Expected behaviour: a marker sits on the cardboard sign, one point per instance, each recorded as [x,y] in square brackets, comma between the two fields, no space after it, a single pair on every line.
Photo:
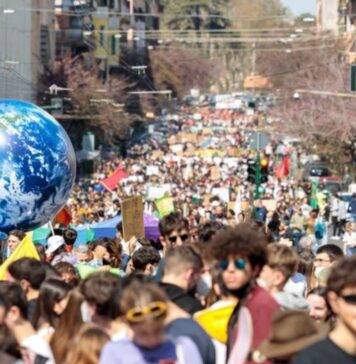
[132,217]
[270,205]
[157,154]
[207,199]
[215,173]
[245,205]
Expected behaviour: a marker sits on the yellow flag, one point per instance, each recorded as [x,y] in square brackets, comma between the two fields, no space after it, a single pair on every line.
[165,205]
[26,249]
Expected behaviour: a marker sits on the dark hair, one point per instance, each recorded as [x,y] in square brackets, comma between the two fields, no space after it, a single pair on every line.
[208,230]
[240,240]
[342,275]
[119,227]
[70,236]
[50,270]
[67,268]
[28,269]
[171,222]
[144,256]
[57,232]
[69,323]
[102,289]
[20,234]
[13,295]
[8,343]
[52,291]
[333,251]
[182,258]
[113,249]
[41,250]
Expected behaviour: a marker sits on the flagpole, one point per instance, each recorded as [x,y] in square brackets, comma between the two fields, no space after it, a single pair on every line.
[51,227]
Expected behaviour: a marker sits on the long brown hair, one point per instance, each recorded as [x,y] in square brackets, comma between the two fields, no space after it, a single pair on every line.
[52,291]
[87,345]
[69,323]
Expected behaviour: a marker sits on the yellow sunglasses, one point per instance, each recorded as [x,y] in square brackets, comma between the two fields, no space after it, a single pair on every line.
[154,309]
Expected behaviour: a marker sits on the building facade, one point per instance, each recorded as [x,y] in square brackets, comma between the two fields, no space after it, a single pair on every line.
[337,16]
[27,46]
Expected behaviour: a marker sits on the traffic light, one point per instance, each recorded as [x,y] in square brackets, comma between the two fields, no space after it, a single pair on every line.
[264,170]
[251,170]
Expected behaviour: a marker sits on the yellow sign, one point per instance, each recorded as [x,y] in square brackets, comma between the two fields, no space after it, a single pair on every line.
[165,205]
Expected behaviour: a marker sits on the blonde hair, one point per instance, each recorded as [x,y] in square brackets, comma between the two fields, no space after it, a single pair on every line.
[87,345]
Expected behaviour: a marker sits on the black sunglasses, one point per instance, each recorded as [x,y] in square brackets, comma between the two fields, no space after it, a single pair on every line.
[173,239]
[350,299]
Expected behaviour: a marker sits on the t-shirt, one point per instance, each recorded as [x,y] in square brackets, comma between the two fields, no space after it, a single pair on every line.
[127,352]
[186,327]
[324,352]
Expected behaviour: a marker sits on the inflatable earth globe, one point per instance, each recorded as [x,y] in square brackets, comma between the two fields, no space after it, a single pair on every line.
[37,166]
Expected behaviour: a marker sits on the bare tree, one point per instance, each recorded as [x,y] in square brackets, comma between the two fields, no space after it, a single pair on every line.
[180,70]
[326,124]
[103,102]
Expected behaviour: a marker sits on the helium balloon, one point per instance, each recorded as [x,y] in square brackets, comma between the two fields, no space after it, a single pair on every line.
[37,166]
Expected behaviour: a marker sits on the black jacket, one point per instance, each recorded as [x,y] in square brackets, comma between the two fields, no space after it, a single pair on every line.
[181,298]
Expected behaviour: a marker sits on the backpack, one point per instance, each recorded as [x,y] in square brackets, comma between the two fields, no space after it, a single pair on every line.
[319,230]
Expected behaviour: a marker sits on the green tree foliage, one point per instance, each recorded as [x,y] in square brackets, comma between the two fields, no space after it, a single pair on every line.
[195,14]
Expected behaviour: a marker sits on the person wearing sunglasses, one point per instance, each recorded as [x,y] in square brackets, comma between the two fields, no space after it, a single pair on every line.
[340,345]
[144,308]
[174,230]
[241,253]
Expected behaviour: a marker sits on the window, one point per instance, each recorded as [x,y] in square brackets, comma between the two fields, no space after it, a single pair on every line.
[102,36]
[113,45]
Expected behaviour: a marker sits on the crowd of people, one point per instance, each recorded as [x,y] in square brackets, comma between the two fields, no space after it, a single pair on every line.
[232,279]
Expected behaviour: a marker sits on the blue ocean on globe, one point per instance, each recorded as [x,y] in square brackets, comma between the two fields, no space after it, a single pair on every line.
[37,166]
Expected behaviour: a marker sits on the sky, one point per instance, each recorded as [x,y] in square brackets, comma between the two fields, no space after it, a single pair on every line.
[301,6]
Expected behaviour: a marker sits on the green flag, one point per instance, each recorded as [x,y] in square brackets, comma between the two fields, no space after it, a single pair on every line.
[313,197]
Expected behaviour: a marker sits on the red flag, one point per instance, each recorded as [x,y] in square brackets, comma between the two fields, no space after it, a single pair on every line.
[283,169]
[63,217]
[286,166]
[111,182]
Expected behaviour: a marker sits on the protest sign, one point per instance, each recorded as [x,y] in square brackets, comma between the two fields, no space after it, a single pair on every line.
[215,173]
[270,205]
[132,217]
[156,192]
[152,171]
[157,154]
[222,193]
[111,182]
[165,205]
[176,148]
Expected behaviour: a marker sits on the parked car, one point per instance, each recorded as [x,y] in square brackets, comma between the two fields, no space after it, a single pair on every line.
[314,171]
